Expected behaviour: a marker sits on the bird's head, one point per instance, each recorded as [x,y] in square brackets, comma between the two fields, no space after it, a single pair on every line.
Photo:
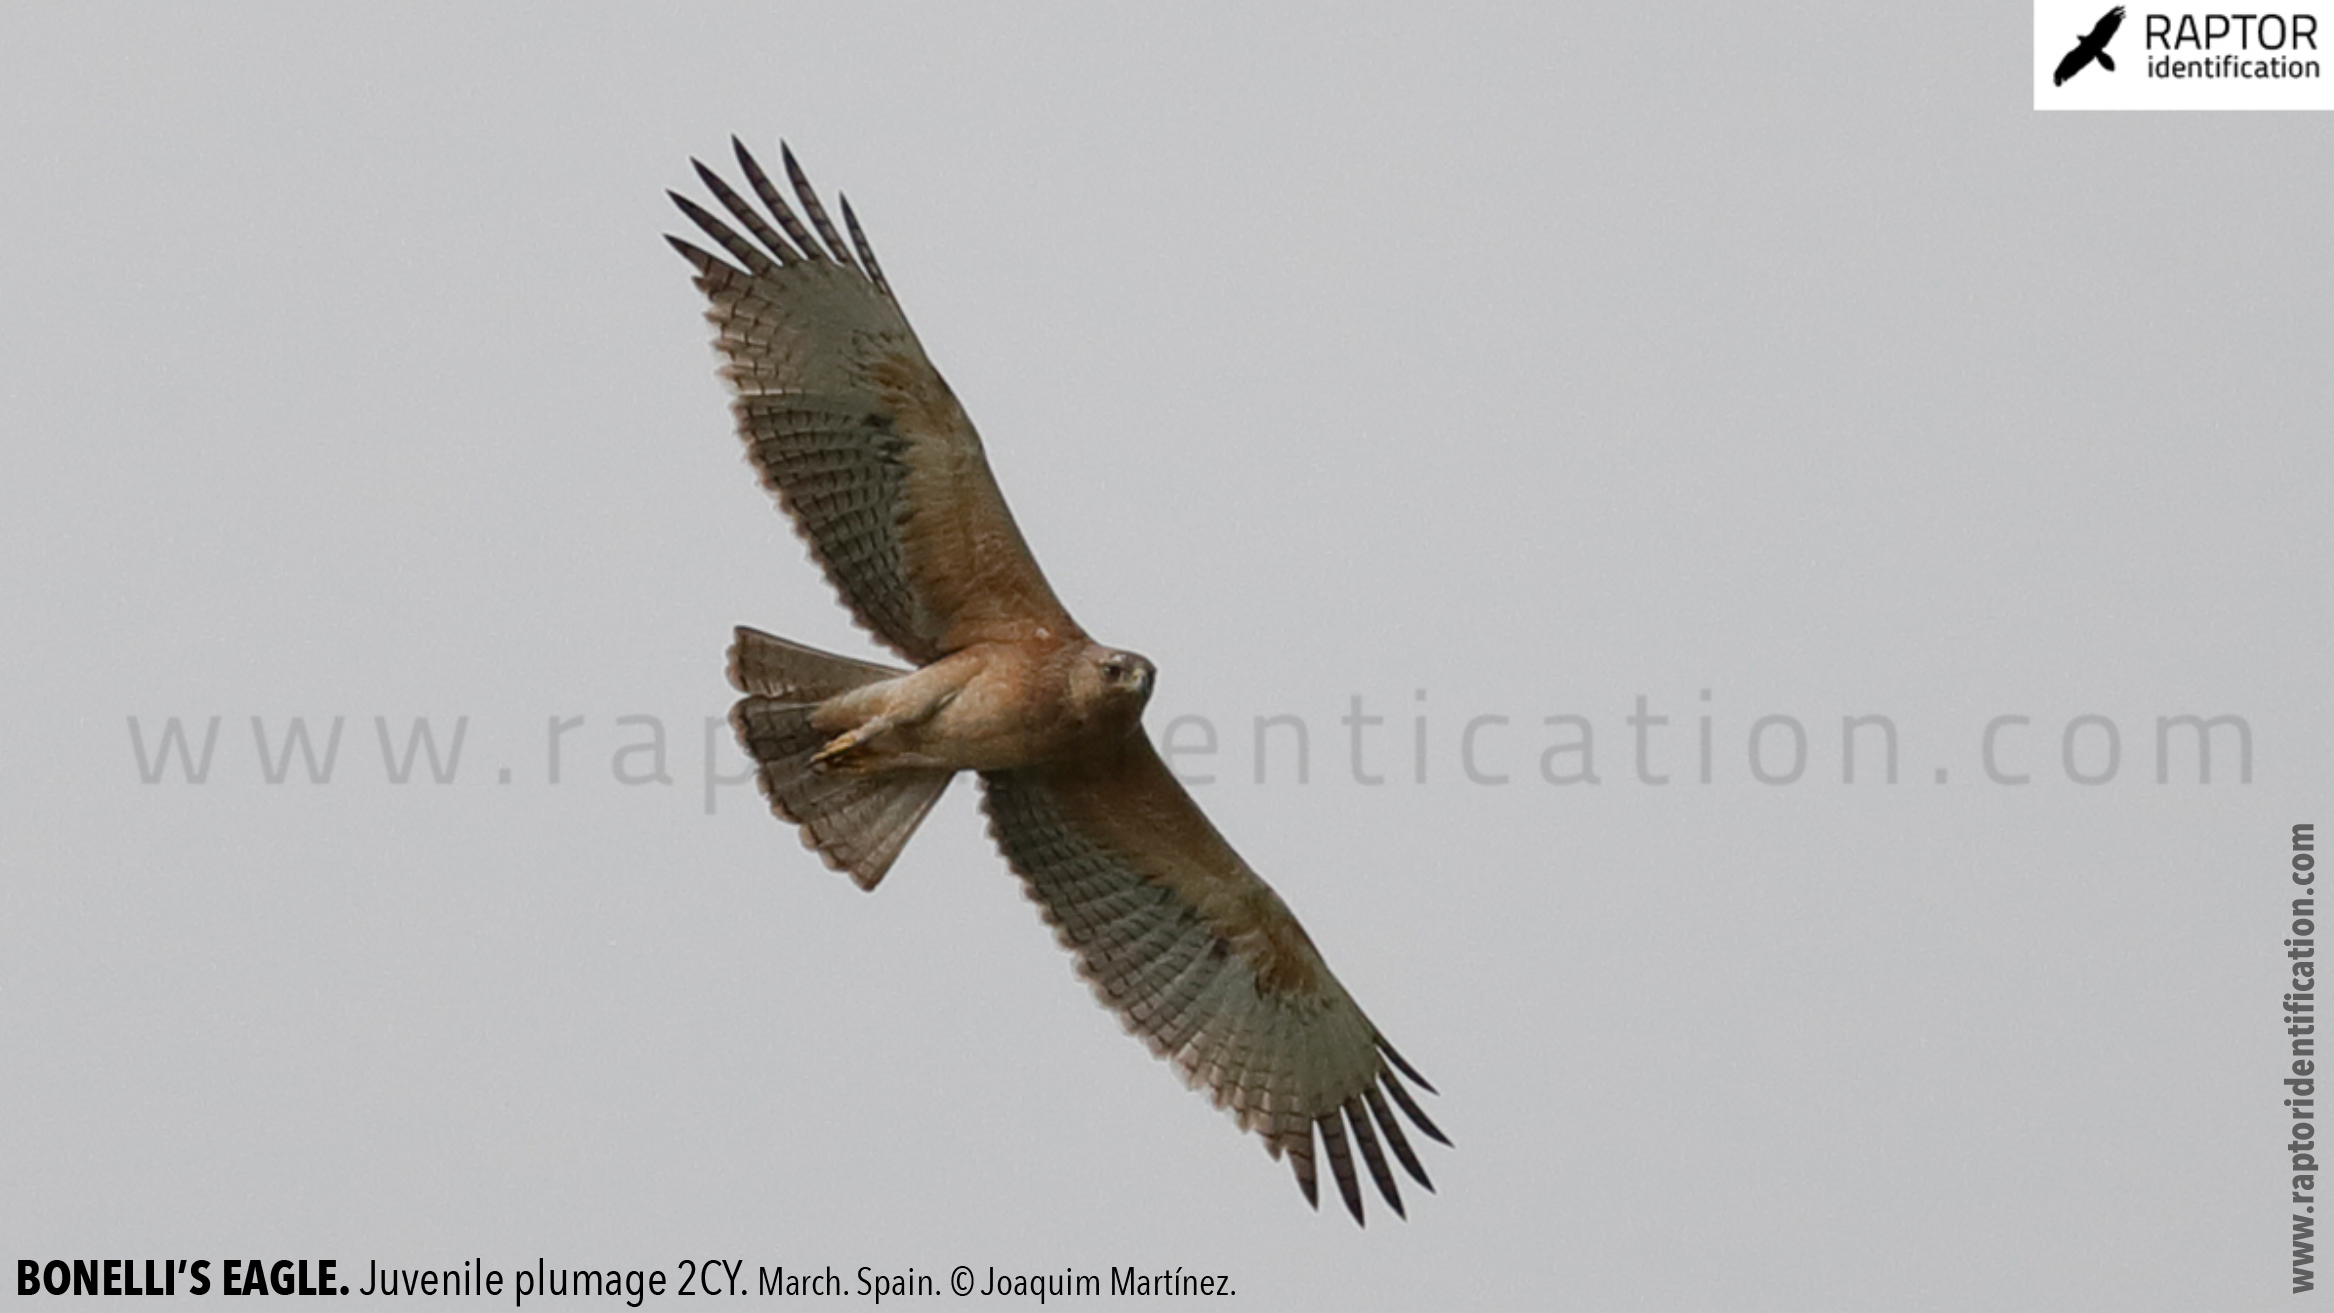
[1118,682]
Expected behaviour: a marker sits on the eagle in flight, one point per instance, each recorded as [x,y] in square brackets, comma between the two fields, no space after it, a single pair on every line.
[2090,47]
[865,447]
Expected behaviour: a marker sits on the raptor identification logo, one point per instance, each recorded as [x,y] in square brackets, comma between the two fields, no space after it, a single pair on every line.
[2091,55]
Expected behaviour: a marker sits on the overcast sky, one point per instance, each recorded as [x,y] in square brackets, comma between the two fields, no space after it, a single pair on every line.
[1567,389]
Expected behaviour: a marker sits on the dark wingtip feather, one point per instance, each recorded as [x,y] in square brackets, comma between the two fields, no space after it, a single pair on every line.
[1391,1128]
[1407,1069]
[698,214]
[1341,1165]
[747,215]
[1410,1106]
[744,251]
[813,210]
[1358,1117]
[866,248]
[1300,1149]
[759,179]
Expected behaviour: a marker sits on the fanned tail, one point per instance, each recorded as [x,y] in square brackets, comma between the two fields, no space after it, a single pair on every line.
[857,822]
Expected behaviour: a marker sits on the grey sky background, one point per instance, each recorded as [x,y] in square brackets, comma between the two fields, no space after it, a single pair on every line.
[1482,361]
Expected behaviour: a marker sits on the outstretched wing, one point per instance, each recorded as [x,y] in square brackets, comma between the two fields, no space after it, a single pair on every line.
[2105,31]
[855,432]
[2072,64]
[1201,959]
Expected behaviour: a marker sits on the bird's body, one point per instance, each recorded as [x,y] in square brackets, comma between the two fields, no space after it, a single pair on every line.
[991,706]
[869,451]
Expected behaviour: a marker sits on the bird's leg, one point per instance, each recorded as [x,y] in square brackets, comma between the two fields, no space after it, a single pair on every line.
[874,724]
[892,708]
[839,752]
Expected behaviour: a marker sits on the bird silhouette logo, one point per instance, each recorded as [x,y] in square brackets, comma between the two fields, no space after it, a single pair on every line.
[2090,47]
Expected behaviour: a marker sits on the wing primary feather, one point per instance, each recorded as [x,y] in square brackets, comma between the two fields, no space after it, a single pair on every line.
[1391,1128]
[866,250]
[705,264]
[746,215]
[1300,1147]
[816,212]
[1358,1117]
[1341,1164]
[744,250]
[1407,1069]
[1292,1136]
[1402,1096]
[776,200]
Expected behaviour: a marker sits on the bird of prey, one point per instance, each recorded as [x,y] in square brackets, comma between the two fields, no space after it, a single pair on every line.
[2089,48]
[868,451]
